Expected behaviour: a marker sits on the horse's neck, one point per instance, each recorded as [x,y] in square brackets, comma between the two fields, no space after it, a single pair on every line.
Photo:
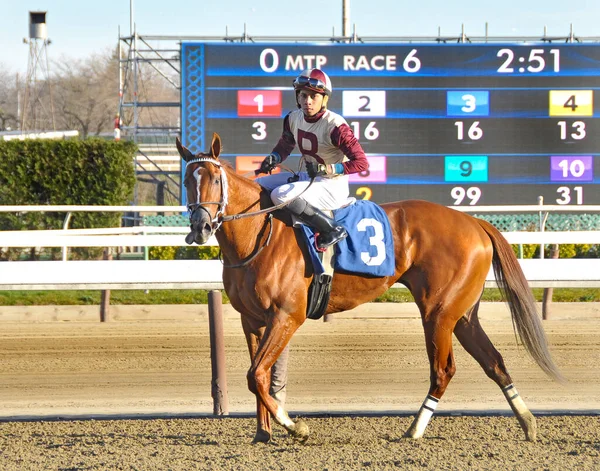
[243,194]
[238,238]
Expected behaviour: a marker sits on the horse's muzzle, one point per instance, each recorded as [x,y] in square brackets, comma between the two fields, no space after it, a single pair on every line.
[201,228]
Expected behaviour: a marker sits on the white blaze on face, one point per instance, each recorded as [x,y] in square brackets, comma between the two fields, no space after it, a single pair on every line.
[198,179]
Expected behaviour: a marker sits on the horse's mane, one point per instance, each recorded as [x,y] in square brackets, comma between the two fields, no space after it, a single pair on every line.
[249,184]
[247,180]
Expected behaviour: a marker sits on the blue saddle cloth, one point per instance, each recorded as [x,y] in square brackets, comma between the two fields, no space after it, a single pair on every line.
[369,247]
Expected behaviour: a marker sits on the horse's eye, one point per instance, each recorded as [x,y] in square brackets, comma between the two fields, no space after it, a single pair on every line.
[217,181]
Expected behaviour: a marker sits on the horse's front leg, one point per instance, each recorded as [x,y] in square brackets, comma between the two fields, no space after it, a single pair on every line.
[263,419]
[275,339]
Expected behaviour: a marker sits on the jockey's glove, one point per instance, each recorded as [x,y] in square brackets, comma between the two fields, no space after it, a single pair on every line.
[270,162]
[315,169]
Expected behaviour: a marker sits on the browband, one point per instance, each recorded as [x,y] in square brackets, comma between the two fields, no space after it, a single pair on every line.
[204,159]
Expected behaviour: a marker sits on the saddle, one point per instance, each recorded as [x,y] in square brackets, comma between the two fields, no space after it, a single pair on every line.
[368,250]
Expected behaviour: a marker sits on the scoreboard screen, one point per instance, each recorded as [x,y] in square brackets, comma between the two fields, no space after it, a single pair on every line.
[456,124]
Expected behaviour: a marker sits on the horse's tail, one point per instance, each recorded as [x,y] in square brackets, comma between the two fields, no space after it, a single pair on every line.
[515,289]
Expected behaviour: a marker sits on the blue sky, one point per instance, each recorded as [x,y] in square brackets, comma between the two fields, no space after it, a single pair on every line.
[79,28]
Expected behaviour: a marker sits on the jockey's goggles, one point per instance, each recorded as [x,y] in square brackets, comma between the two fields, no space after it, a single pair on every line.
[311,83]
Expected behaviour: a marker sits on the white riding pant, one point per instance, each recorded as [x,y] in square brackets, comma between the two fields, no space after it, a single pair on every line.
[324,193]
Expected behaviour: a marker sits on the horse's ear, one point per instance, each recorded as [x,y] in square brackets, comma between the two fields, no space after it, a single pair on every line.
[185,153]
[216,145]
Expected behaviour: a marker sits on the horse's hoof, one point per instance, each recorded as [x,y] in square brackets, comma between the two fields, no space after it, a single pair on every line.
[262,436]
[529,426]
[301,431]
[412,432]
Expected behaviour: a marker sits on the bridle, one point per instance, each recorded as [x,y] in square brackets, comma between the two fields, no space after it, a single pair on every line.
[220,216]
[193,207]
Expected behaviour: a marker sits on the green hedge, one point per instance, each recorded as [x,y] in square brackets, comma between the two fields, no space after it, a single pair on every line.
[564,251]
[192,252]
[64,172]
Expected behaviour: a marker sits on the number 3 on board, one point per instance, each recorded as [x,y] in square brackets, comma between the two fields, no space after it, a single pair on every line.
[261,131]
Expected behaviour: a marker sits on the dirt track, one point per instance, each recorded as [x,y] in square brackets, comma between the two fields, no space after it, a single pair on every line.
[71,369]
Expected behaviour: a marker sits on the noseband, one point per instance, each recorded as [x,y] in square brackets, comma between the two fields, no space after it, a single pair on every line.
[193,207]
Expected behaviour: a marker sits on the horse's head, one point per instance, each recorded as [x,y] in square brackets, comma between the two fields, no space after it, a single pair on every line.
[205,182]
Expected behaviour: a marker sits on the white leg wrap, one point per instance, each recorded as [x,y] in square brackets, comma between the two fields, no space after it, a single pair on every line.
[516,402]
[424,415]
[283,418]
[279,374]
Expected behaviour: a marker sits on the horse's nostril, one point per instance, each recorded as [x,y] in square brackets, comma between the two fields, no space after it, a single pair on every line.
[207,227]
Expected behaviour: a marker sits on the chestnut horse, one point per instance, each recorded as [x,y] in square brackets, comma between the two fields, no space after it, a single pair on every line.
[441,255]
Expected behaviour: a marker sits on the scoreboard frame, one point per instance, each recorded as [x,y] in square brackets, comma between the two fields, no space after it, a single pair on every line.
[456,124]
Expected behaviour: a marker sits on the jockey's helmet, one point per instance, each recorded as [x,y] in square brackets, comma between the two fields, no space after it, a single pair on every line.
[315,80]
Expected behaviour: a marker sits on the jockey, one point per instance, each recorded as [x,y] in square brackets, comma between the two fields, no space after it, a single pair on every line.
[330,151]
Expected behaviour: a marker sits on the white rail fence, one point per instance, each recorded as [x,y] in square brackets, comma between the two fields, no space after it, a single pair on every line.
[207,274]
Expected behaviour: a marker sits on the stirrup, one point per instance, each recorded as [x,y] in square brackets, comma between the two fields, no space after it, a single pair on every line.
[323,249]
[339,234]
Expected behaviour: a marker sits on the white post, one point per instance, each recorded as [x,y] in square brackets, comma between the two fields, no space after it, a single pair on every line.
[66,226]
[345,18]
[131,17]
[541,203]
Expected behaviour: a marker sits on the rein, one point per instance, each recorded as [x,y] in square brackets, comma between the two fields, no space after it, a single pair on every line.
[220,217]
[233,217]
[253,256]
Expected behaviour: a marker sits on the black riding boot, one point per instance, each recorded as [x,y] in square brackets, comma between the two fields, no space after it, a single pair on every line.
[329,231]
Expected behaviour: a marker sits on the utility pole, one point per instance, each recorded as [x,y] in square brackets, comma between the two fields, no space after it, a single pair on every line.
[345,18]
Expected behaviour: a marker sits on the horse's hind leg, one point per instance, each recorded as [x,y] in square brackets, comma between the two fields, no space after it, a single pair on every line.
[472,337]
[438,339]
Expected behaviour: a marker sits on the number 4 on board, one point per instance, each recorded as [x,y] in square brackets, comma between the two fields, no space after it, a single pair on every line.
[571,103]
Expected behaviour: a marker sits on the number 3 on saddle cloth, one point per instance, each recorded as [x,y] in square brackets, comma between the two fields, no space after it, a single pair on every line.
[368,249]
